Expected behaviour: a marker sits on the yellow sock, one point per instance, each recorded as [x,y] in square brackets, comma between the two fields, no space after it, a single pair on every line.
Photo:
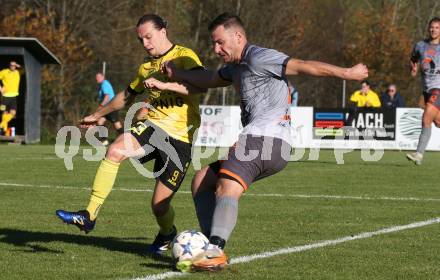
[102,186]
[6,118]
[166,222]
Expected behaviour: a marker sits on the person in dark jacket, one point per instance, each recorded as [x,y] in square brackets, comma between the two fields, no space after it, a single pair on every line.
[391,98]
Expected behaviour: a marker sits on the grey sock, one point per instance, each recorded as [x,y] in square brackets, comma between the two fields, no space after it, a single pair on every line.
[225,217]
[424,139]
[204,203]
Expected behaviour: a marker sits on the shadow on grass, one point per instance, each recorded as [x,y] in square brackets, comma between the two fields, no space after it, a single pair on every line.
[27,239]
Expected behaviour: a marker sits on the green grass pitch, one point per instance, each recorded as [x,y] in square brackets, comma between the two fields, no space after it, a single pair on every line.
[308,202]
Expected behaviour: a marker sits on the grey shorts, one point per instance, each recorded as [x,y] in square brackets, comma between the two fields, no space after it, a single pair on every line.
[253,158]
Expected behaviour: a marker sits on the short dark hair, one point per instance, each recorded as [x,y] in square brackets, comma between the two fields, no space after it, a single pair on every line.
[434,19]
[157,21]
[227,20]
[366,82]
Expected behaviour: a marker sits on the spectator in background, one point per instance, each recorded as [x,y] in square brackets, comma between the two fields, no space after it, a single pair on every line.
[10,78]
[391,98]
[365,97]
[105,94]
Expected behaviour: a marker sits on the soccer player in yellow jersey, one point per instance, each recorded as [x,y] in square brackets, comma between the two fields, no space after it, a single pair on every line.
[165,136]
[10,78]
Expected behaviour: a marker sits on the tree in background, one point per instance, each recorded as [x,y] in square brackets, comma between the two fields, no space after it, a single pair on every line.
[58,84]
[85,33]
[384,45]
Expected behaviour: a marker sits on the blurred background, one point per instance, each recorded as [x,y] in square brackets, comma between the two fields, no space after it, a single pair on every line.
[84,34]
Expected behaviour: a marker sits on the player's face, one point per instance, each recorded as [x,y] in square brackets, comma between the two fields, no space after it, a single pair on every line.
[99,78]
[151,38]
[226,44]
[434,30]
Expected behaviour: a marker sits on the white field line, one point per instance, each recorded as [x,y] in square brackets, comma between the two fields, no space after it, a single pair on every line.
[296,249]
[31,158]
[247,194]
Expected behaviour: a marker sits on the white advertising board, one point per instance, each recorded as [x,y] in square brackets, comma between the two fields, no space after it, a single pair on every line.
[221,125]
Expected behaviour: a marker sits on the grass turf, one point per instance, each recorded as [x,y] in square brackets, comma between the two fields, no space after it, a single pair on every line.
[34,244]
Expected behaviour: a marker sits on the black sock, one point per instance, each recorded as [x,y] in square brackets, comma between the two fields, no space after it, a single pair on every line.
[215,240]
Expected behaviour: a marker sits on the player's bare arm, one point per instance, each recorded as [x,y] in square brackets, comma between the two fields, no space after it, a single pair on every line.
[104,100]
[358,72]
[179,87]
[198,78]
[414,68]
[117,103]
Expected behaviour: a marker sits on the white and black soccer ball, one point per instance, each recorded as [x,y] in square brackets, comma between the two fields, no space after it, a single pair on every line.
[188,244]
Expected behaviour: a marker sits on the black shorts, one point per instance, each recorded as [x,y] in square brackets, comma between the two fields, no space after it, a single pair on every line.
[172,157]
[433,97]
[112,117]
[253,158]
[8,103]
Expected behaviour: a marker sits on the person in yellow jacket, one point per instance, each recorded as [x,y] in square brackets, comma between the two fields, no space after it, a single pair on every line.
[10,78]
[365,97]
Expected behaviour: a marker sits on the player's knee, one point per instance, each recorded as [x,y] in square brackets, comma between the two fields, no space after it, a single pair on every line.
[427,122]
[204,180]
[229,188]
[437,123]
[114,153]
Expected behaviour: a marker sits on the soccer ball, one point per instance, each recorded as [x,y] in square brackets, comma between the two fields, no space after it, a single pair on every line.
[188,244]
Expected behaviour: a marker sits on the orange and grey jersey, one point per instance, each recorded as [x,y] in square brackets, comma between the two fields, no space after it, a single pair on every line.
[427,55]
[260,78]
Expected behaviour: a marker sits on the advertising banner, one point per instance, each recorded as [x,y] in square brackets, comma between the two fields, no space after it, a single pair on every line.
[327,128]
[219,127]
[409,127]
[354,124]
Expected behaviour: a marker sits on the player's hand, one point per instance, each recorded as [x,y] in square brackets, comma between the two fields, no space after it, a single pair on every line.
[89,121]
[413,69]
[153,83]
[358,72]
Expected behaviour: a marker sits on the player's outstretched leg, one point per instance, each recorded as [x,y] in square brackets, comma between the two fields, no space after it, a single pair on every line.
[429,115]
[104,180]
[81,219]
[203,192]
[164,213]
[223,223]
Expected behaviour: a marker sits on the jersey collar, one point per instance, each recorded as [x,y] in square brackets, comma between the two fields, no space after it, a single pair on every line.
[165,53]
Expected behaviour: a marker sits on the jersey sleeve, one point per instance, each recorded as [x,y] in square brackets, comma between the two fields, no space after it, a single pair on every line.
[136,86]
[107,88]
[270,62]
[354,97]
[2,74]
[190,60]
[226,72]
[375,101]
[415,54]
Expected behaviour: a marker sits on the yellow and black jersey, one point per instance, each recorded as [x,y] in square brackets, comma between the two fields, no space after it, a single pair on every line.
[11,82]
[175,113]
